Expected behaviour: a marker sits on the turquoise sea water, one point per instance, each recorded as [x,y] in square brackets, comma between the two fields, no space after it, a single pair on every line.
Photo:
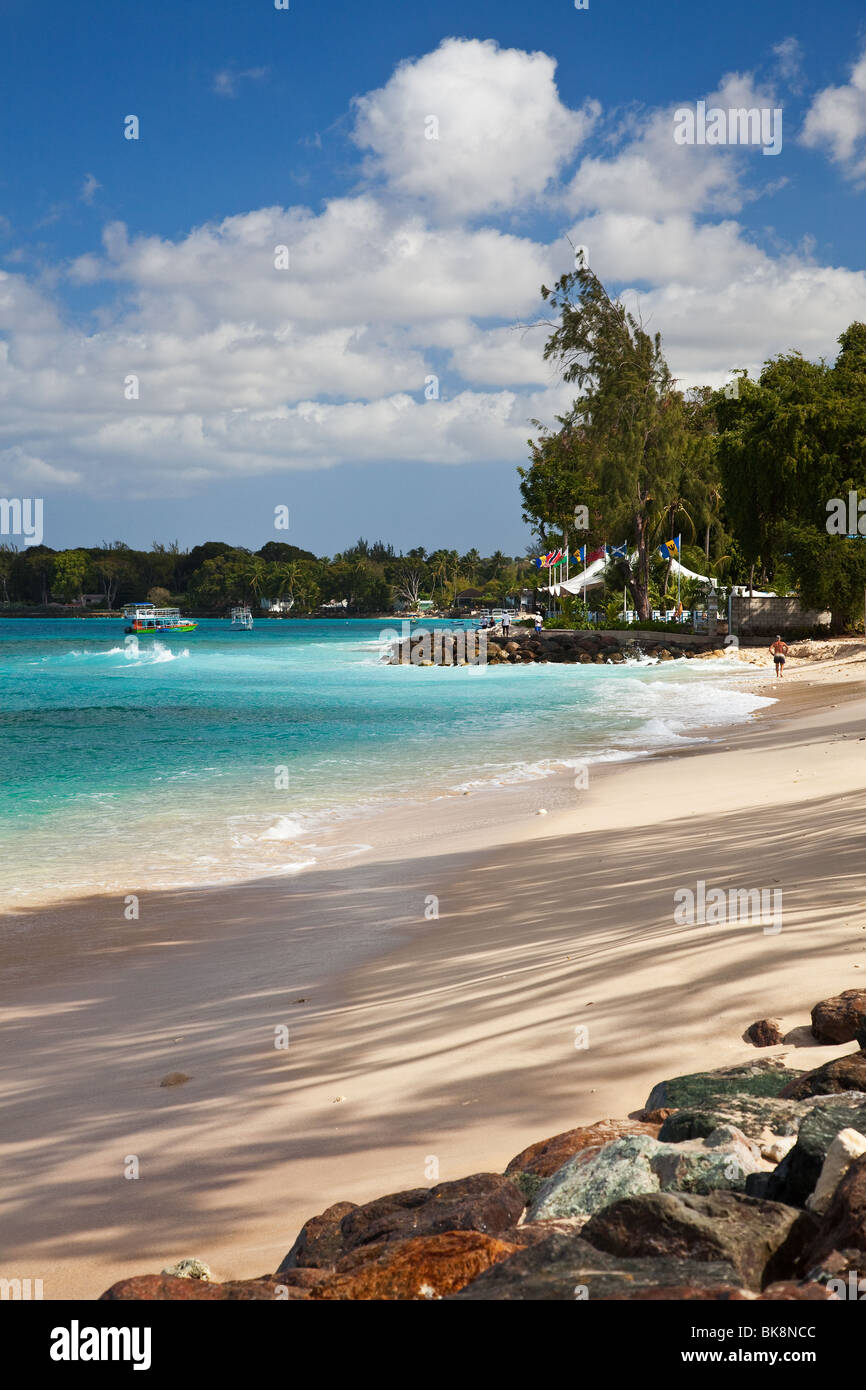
[158,760]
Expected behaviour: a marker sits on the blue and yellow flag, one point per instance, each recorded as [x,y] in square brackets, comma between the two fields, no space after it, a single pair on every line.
[669,550]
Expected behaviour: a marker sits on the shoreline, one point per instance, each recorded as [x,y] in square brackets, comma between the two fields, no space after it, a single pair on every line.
[413,1035]
[488,798]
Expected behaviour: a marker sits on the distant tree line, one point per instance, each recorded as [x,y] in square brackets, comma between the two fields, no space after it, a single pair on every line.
[371,577]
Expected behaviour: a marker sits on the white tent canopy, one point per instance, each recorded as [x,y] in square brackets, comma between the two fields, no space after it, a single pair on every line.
[593,576]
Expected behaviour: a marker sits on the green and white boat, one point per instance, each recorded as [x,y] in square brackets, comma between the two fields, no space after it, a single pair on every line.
[146,619]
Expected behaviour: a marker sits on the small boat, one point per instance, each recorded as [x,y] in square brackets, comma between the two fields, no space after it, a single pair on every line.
[242,618]
[145,619]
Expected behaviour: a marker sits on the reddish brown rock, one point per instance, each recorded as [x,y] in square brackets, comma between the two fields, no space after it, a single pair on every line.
[548,1155]
[657,1117]
[160,1287]
[842,1074]
[787,1292]
[844,1224]
[425,1267]
[486,1202]
[320,1242]
[765,1033]
[837,1020]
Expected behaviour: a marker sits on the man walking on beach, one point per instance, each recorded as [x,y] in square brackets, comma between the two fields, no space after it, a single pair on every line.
[778,651]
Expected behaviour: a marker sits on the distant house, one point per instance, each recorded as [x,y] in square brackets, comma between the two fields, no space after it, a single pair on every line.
[468,598]
[277,605]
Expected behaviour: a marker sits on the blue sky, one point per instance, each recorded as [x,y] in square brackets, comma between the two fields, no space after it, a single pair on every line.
[408,257]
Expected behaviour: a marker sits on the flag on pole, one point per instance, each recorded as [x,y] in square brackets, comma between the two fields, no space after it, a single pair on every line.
[553,557]
[669,550]
[618,552]
[580,554]
[595,555]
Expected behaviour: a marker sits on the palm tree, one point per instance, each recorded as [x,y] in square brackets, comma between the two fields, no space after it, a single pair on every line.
[255,573]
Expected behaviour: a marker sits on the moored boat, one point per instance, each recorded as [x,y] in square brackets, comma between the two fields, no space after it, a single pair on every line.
[242,617]
[146,618]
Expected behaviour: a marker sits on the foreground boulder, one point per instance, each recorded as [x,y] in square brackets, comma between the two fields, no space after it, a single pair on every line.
[567,1267]
[797,1175]
[848,1145]
[844,1224]
[486,1202]
[837,1020]
[542,1160]
[762,1241]
[763,1119]
[426,1267]
[759,1078]
[842,1074]
[765,1033]
[159,1287]
[638,1164]
[320,1241]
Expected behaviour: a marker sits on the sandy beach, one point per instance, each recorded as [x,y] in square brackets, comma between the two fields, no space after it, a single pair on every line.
[421,1047]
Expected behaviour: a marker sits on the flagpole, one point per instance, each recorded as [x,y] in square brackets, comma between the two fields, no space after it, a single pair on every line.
[679,565]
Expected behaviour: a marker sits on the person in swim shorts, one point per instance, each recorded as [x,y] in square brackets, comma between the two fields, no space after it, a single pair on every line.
[778,651]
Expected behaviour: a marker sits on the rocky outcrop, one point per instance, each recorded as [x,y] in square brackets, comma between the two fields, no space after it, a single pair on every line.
[848,1145]
[638,1164]
[740,1183]
[429,647]
[764,1119]
[797,1175]
[319,1244]
[419,1269]
[160,1287]
[764,1078]
[761,1241]
[532,1165]
[765,1033]
[837,1020]
[844,1224]
[842,1074]
[487,1202]
[568,1267]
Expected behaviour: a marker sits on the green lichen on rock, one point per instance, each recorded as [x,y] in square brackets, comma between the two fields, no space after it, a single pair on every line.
[760,1078]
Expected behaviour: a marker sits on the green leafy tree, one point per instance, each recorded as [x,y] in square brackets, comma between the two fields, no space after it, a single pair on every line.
[789,444]
[629,420]
[68,574]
